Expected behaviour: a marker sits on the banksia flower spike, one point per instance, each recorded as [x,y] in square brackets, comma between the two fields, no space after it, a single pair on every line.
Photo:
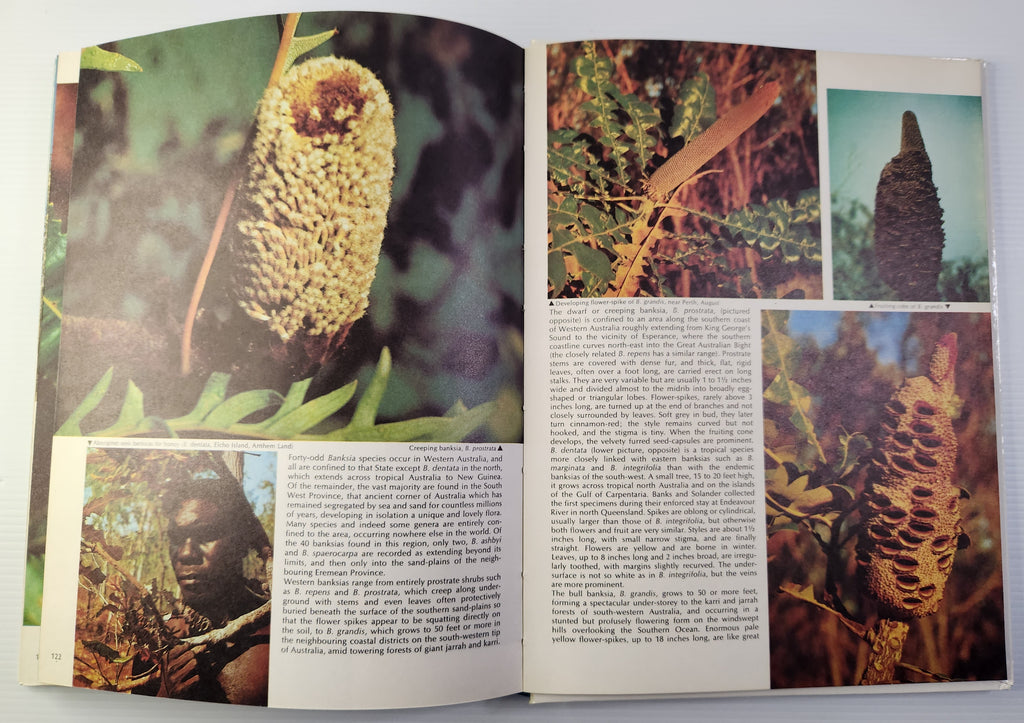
[688,160]
[908,220]
[316,199]
[912,525]
[912,528]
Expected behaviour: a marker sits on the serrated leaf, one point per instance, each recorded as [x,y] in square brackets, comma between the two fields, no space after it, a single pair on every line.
[595,218]
[789,393]
[819,503]
[240,406]
[801,593]
[557,273]
[852,446]
[71,427]
[777,226]
[214,393]
[439,429]
[779,351]
[594,73]
[292,401]
[51,310]
[570,162]
[695,109]
[592,261]
[366,409]
[643,128]
[312,413]
[819,500]
[96,58]
[304,44]
[132,411]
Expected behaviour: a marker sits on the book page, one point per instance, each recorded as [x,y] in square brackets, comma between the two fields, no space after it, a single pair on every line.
[763,372]
[287,431]
[65,97]
[369,563]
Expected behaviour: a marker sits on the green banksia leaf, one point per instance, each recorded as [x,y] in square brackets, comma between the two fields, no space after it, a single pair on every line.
[302,45]
[96,58]
[695,109]
[912,525]
[908,220]
[316,199]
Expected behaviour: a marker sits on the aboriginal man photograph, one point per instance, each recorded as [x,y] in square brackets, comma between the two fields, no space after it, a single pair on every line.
[211,529]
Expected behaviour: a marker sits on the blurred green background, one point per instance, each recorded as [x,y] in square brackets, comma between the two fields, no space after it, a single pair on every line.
[154,153]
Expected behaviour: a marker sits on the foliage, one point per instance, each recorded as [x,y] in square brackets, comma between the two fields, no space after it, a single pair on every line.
[54,253]
[607,134]
[855,269]
[279,417]
[95,58]
[822,406]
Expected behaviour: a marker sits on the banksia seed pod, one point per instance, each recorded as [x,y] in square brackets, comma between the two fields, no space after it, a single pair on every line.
[316,199]
[908,220]
[912,526]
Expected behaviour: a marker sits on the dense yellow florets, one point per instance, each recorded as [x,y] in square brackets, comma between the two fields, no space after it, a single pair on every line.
[316,199]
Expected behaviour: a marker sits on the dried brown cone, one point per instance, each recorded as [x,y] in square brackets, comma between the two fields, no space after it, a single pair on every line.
[316,199]
[908,220]
[912,525]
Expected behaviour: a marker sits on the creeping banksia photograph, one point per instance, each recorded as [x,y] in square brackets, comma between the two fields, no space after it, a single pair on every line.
[315,201]
[912,525]
[908,220]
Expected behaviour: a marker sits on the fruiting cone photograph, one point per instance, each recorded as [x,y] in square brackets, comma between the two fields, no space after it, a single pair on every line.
[909,208]
[881,499]
[276,211]
[682,170]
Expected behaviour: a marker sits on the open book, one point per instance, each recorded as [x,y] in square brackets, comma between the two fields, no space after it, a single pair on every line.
[375,348]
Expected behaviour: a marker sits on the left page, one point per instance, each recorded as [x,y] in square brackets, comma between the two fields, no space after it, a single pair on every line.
[287,417]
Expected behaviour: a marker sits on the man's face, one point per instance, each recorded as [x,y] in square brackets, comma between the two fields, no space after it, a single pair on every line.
[205,552]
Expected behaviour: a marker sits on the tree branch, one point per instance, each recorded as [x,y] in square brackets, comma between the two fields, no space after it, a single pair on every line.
[237,627]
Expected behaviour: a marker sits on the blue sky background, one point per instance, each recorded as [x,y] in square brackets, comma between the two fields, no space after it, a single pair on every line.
[864,129]
[260,466]
[884,330]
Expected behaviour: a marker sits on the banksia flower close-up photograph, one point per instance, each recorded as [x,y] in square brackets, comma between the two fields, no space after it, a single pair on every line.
[316,199]
[299,208]
[909,208]
[883,521]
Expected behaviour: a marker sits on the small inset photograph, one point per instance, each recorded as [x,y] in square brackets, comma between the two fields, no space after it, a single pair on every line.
[909,209]
[174,585]
[882,499]
[682,170]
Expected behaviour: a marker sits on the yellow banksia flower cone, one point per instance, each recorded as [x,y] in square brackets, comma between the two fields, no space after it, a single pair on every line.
[912,526]
[316,199]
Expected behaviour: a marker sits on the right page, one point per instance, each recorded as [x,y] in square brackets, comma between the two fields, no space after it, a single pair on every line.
[760,384]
